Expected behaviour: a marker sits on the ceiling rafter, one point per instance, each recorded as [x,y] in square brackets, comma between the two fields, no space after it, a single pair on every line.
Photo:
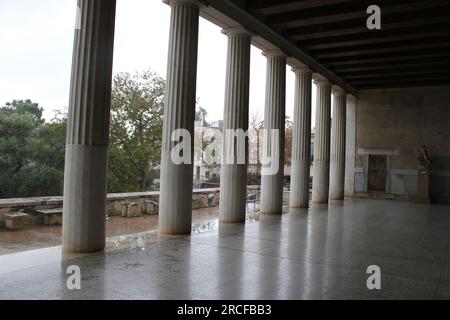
[411,49]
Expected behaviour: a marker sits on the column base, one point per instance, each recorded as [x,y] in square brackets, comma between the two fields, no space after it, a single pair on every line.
[84,212]
[321,182]
[233,194]
[175,200]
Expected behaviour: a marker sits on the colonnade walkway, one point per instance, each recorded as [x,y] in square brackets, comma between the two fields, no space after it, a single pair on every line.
[320,253]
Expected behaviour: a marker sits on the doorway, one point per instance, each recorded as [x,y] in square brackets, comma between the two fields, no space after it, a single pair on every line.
[377,173]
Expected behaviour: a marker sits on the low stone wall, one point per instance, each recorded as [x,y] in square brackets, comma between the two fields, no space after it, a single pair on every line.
[114,201]
[140,203]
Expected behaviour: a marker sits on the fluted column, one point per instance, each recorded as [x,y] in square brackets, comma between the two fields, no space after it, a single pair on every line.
[88,128]
[338,130]
[233,178]
[175,207]
[274,118]
[321,173]
[350,148]
[301,142]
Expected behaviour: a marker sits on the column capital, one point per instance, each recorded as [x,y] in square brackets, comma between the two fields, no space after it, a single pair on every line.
[320,80]
[195,3]
[351,98]
[274,53]
[338,91]
[237,31]
[301,69]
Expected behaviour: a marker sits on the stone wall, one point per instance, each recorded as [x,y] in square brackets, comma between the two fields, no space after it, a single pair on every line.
[114,201]
[393,122]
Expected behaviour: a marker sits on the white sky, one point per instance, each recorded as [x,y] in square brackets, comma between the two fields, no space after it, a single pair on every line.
[36,39]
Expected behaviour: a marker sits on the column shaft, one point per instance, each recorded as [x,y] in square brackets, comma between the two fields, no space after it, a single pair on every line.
[175,208]
[337,165]
[88,128]
[274,118]
[350,148]
[301,142]
[321,175]
[233,178]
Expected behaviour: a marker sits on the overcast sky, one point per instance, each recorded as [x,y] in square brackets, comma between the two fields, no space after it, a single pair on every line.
[36,39]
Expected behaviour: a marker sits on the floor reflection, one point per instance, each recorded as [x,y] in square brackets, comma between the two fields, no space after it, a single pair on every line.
[319,253]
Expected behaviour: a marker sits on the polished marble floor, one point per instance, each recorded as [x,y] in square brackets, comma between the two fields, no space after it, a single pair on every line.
[321,253]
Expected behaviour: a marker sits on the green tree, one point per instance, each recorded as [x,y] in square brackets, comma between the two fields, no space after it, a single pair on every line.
[136,130]
[25,107]
[31,153]
[51,139]
[32,150]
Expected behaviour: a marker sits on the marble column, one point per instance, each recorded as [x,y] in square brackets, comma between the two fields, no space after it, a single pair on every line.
[338,132]
[88,128]
[321,170]
[301,140]
[350,148]
[274,118]
[175,203]
[233,177]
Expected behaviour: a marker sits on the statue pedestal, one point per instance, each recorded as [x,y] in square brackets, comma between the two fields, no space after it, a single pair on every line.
[423,183]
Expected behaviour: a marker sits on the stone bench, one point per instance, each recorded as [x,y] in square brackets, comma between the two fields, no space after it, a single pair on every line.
[206,200]
[52,217]
[130,210]
[15,220]
[151,207]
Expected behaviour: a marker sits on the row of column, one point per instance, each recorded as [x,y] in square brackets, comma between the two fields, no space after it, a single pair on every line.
[88,128]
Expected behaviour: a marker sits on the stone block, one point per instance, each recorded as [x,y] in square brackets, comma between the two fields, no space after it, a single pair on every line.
[14,221]
[203,201]
[51,217]
[130,210]
[423,186]
[151,207]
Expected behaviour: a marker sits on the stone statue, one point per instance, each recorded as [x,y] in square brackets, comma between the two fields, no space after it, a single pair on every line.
[423,175]
[423,161]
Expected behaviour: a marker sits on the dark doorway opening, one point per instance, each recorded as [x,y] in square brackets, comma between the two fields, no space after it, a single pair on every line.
[377,173]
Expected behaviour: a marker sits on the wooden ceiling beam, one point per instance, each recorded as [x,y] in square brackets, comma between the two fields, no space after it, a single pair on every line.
[297,20]
[407,30]
[278,7]
[417,36]
[422,65]
[360,28]
[400,79]
[401,49]
[405,84]
[400,57]
[419,74]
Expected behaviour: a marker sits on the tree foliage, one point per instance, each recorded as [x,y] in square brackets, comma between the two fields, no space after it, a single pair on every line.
[31,151]
[136,130]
